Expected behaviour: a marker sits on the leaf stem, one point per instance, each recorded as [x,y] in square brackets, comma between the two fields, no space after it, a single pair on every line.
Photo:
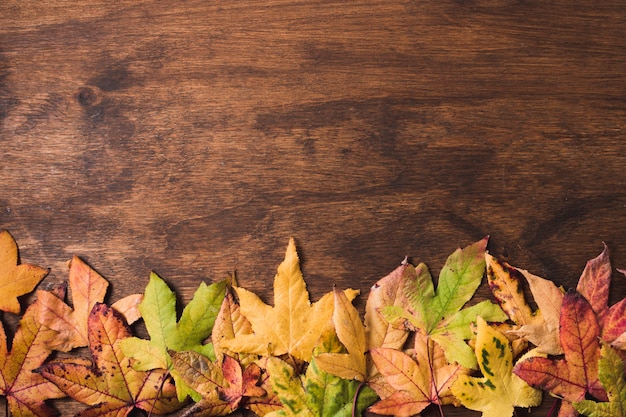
[156,398]
[429,349]
[553,408]
[356,397]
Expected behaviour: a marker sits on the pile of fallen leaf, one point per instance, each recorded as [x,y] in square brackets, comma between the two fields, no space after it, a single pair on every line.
[417,344]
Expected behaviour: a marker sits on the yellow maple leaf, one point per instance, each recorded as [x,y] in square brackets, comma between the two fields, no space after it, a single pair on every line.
[15,280]
[351,334]
[499,390]
[293,325]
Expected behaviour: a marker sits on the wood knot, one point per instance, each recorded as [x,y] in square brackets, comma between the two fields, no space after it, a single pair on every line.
[88,96]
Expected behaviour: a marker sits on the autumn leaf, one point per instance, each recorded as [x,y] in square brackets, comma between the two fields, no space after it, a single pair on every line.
[129,307]
[316,393]
[504,282]
[594,285]
[549,299]
[87,288]
[241,382]
[223,389]
[206,378]
[575,375]
[498,391]
[536,327]
[294,325]
[15,280]
[24,390]
[613,379]
[158,309]
[351,334]
[386,292]
[439,312]
[111,387]
[228,324]
[418,380]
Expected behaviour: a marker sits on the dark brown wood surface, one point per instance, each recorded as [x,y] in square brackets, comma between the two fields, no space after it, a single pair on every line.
[194,138]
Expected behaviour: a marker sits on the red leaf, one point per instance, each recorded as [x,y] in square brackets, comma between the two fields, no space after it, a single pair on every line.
[595,281]
[576,375]
[241,383]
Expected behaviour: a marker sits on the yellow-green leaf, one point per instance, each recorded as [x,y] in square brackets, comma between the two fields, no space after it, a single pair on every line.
[498,391]
[158,309]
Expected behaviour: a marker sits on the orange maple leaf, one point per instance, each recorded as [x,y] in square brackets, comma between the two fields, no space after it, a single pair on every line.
[419,379]
[111,386]
[88,288]
[15,280]
[24,390]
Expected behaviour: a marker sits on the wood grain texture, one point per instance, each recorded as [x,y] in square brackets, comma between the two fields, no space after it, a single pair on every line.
[194,138]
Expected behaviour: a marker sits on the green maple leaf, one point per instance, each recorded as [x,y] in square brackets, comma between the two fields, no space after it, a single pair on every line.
[611,375]
[439,312]
[316,393]
[158,310]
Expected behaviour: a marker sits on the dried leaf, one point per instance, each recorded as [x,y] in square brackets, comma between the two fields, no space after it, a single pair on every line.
[594,282]
[439,312]
[241,383]
[158,309]
[498,391]
[504,282]
[228,324]
[206,378]
[594,285]
[15,280]
[129,307]
[613,379]
[24,390]
[576,375]
[111,387]
[419,380]
[549,298]
[293,325]
[388,291]
[351,334]
[87,288]
[225,388]
[317,393]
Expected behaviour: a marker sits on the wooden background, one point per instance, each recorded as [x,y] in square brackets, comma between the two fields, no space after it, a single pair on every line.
[194,138]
